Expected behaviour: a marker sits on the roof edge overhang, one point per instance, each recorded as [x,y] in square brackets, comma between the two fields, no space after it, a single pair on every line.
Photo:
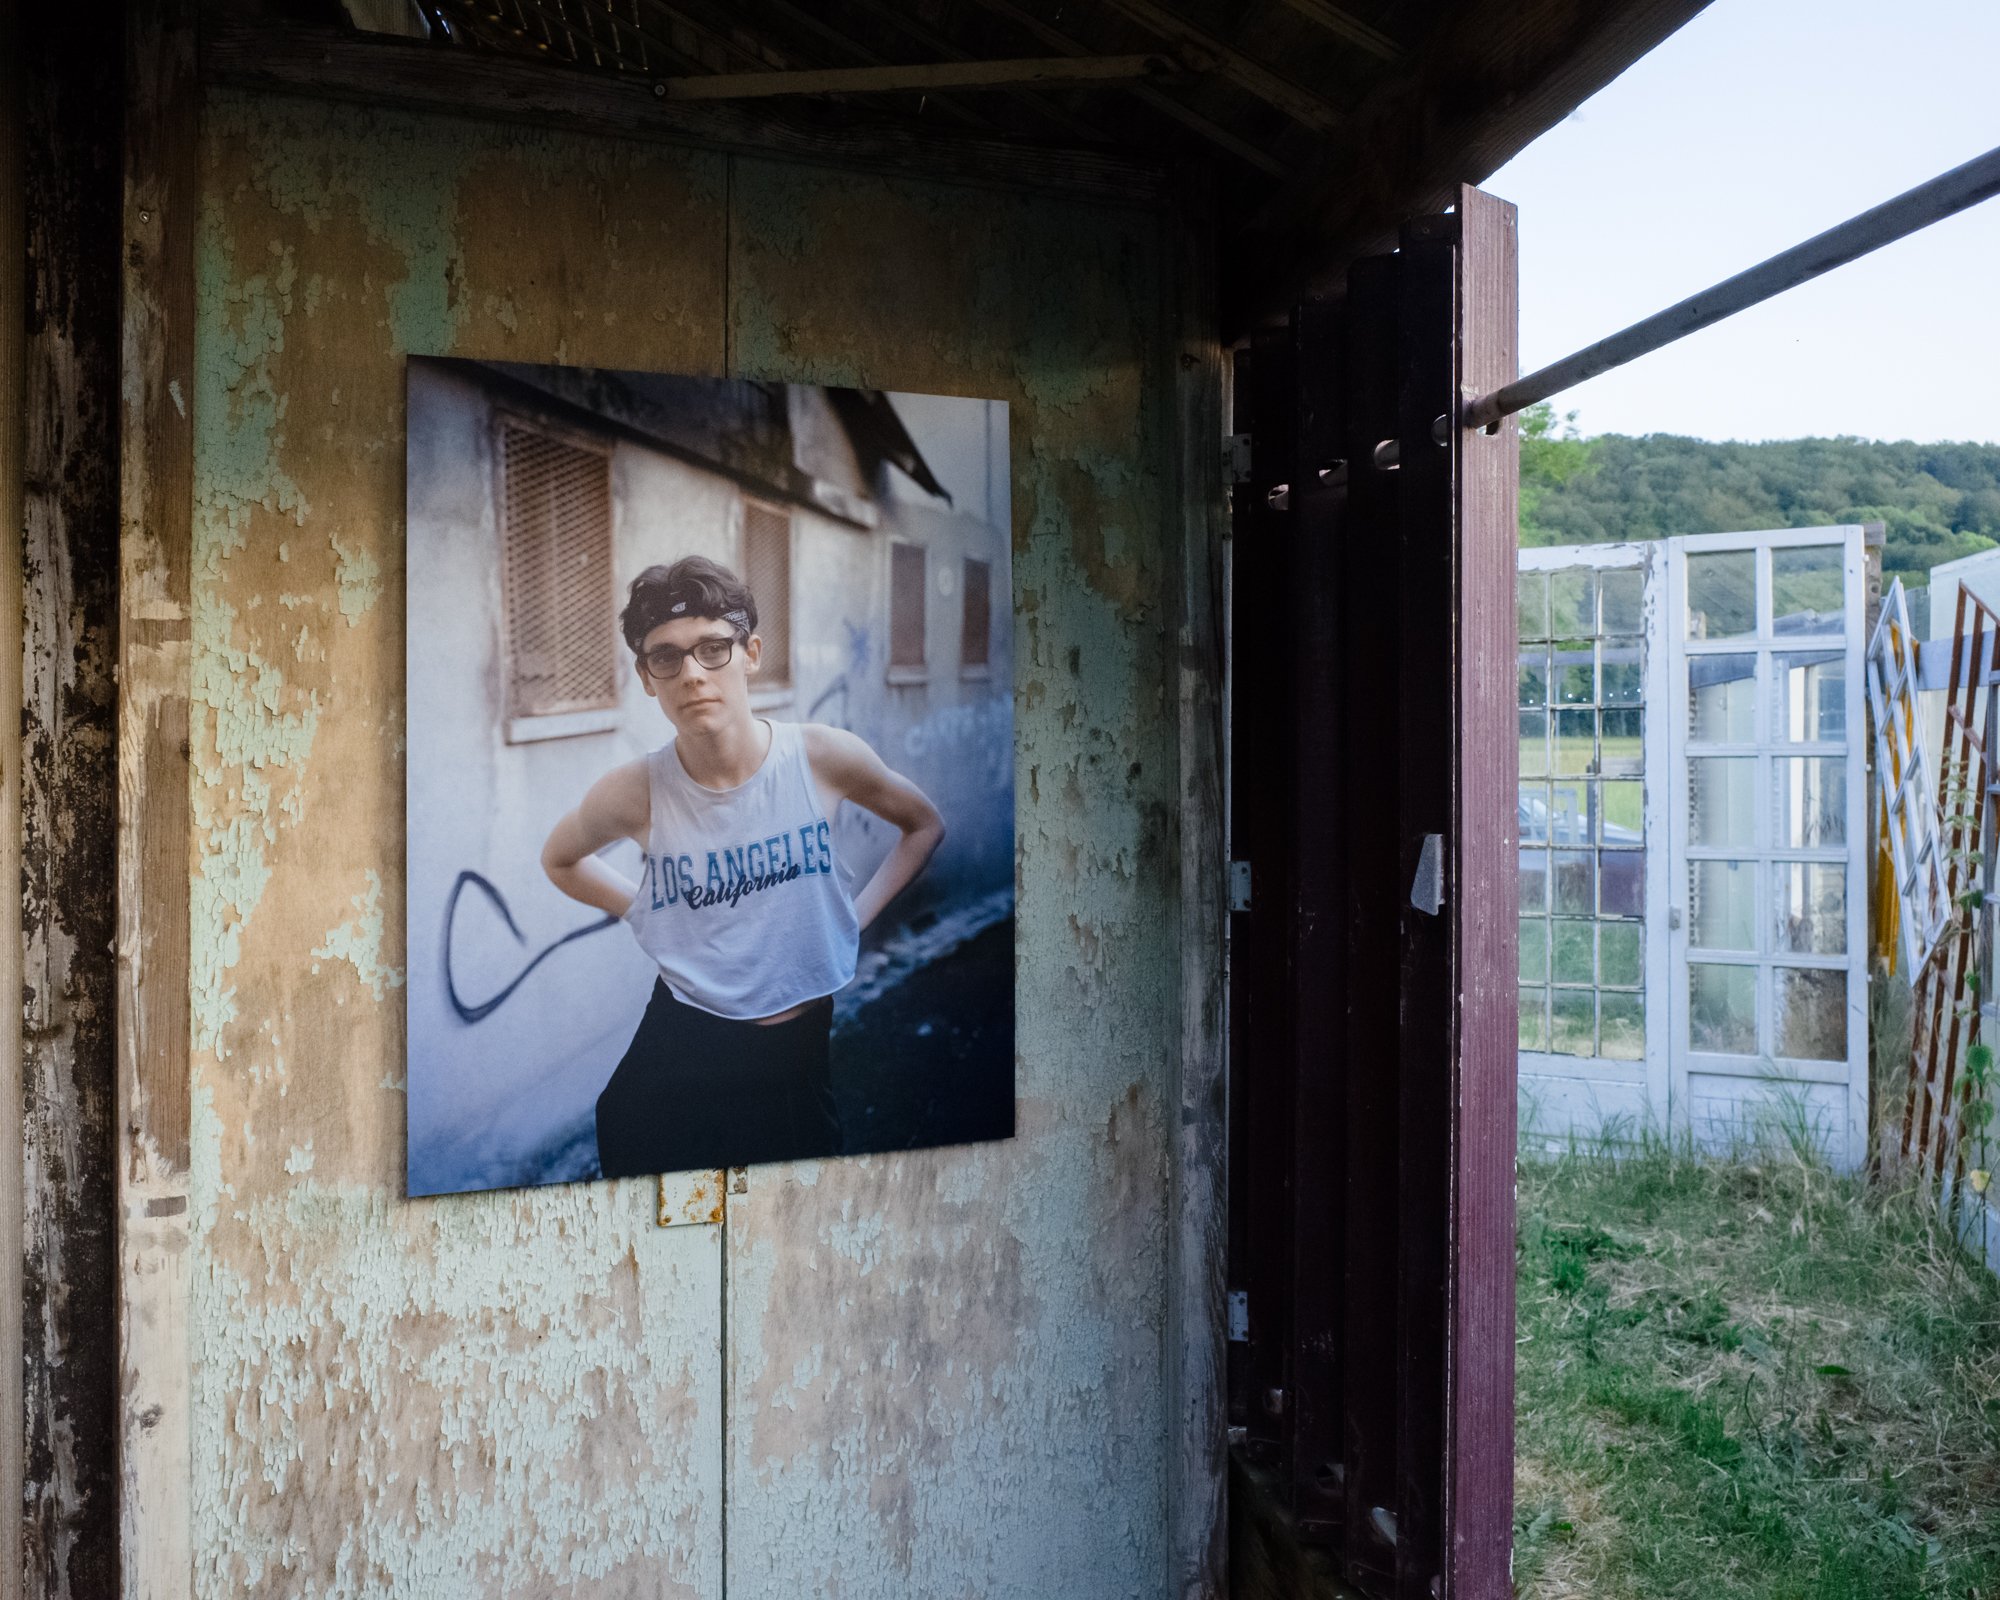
[1490,77]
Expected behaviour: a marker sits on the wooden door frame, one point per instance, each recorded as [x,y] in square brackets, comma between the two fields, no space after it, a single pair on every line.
[1386,1406]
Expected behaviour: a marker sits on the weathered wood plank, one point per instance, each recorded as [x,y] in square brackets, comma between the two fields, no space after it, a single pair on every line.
[1479,1423]
[1263,817]
[1316,535]
[1253,77]
[1370,571]
[1343,25]
[156,458]
[399,72]
[1427,1034]
[71,66]
[1196,1508]
[1186,116]
[13,398]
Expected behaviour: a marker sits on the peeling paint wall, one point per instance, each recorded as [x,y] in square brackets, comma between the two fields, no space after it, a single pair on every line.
[935,1373]
[947,1368]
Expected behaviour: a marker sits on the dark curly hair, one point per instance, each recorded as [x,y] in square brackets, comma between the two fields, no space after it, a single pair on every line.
[693,586]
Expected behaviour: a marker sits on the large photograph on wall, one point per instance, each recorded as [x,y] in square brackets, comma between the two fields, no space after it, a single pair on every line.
[711,791]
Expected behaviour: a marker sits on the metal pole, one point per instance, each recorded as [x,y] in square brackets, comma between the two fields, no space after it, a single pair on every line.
[1977,180]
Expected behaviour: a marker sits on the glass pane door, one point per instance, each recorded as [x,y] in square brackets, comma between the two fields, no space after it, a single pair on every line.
[1590,1044]
[1767,819]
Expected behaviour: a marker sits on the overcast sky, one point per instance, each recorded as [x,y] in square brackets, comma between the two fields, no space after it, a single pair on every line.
[1757,125]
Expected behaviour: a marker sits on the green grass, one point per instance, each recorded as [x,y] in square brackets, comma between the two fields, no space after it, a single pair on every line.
[1749,1379]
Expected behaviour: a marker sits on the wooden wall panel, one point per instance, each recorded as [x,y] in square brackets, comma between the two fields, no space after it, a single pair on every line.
[71,64]
[156,441]
[1197,1403]
[13,401]
[1377,887]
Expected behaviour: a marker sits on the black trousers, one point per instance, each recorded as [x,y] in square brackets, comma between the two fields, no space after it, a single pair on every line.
[697,1090]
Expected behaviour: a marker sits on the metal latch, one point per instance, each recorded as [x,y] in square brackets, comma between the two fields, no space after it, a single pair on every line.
[1239,1316]
[1427,888]
[1239,886]
[1236,458]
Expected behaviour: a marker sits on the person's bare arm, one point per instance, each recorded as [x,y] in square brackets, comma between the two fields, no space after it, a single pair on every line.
[618,806]
[846,767]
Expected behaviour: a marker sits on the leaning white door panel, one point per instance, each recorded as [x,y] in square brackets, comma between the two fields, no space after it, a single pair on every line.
[1768,1010]
[1593,809]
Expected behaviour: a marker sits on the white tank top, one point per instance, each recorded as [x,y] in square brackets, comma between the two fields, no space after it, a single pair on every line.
[741,903]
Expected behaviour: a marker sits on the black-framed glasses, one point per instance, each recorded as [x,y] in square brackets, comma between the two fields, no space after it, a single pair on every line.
[665,661]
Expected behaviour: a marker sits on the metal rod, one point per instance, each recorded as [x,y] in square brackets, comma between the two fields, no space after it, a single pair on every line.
[1977,180]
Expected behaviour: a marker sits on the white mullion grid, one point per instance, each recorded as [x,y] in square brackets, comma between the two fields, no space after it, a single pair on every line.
[1767,857]
[1598,561]
[1763,829]
[1859,840]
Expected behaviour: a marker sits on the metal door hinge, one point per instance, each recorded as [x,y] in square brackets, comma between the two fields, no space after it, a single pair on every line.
[1239,1316]
[1239,886]
[1236,458]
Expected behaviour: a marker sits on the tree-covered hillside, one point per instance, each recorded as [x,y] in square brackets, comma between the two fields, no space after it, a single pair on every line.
[1939,501]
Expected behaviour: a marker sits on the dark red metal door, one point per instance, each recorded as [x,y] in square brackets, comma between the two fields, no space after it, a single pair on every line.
[1373,973]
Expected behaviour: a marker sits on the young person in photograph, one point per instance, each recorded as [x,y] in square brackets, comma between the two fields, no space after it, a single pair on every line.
[741,904]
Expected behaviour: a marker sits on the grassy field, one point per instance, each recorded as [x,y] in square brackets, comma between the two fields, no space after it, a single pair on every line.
[1749,1379]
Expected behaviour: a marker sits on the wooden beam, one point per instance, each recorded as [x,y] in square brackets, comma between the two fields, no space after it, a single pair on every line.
[941,45]
[1164,103]
[1352,29]
[326,64]
[806,22]
[71,74]
[156,495]
[1253,77]
[931,77]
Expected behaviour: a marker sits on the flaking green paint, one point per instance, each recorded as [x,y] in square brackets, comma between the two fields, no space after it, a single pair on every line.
[948,1365]
[400,182]
[359,576]
[358,942]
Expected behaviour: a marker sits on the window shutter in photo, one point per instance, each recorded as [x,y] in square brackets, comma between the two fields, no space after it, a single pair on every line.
[767,569]
[906,605]
[978,625]
[561,602]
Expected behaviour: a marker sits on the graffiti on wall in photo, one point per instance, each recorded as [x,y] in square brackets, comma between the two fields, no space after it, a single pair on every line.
[711,790]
